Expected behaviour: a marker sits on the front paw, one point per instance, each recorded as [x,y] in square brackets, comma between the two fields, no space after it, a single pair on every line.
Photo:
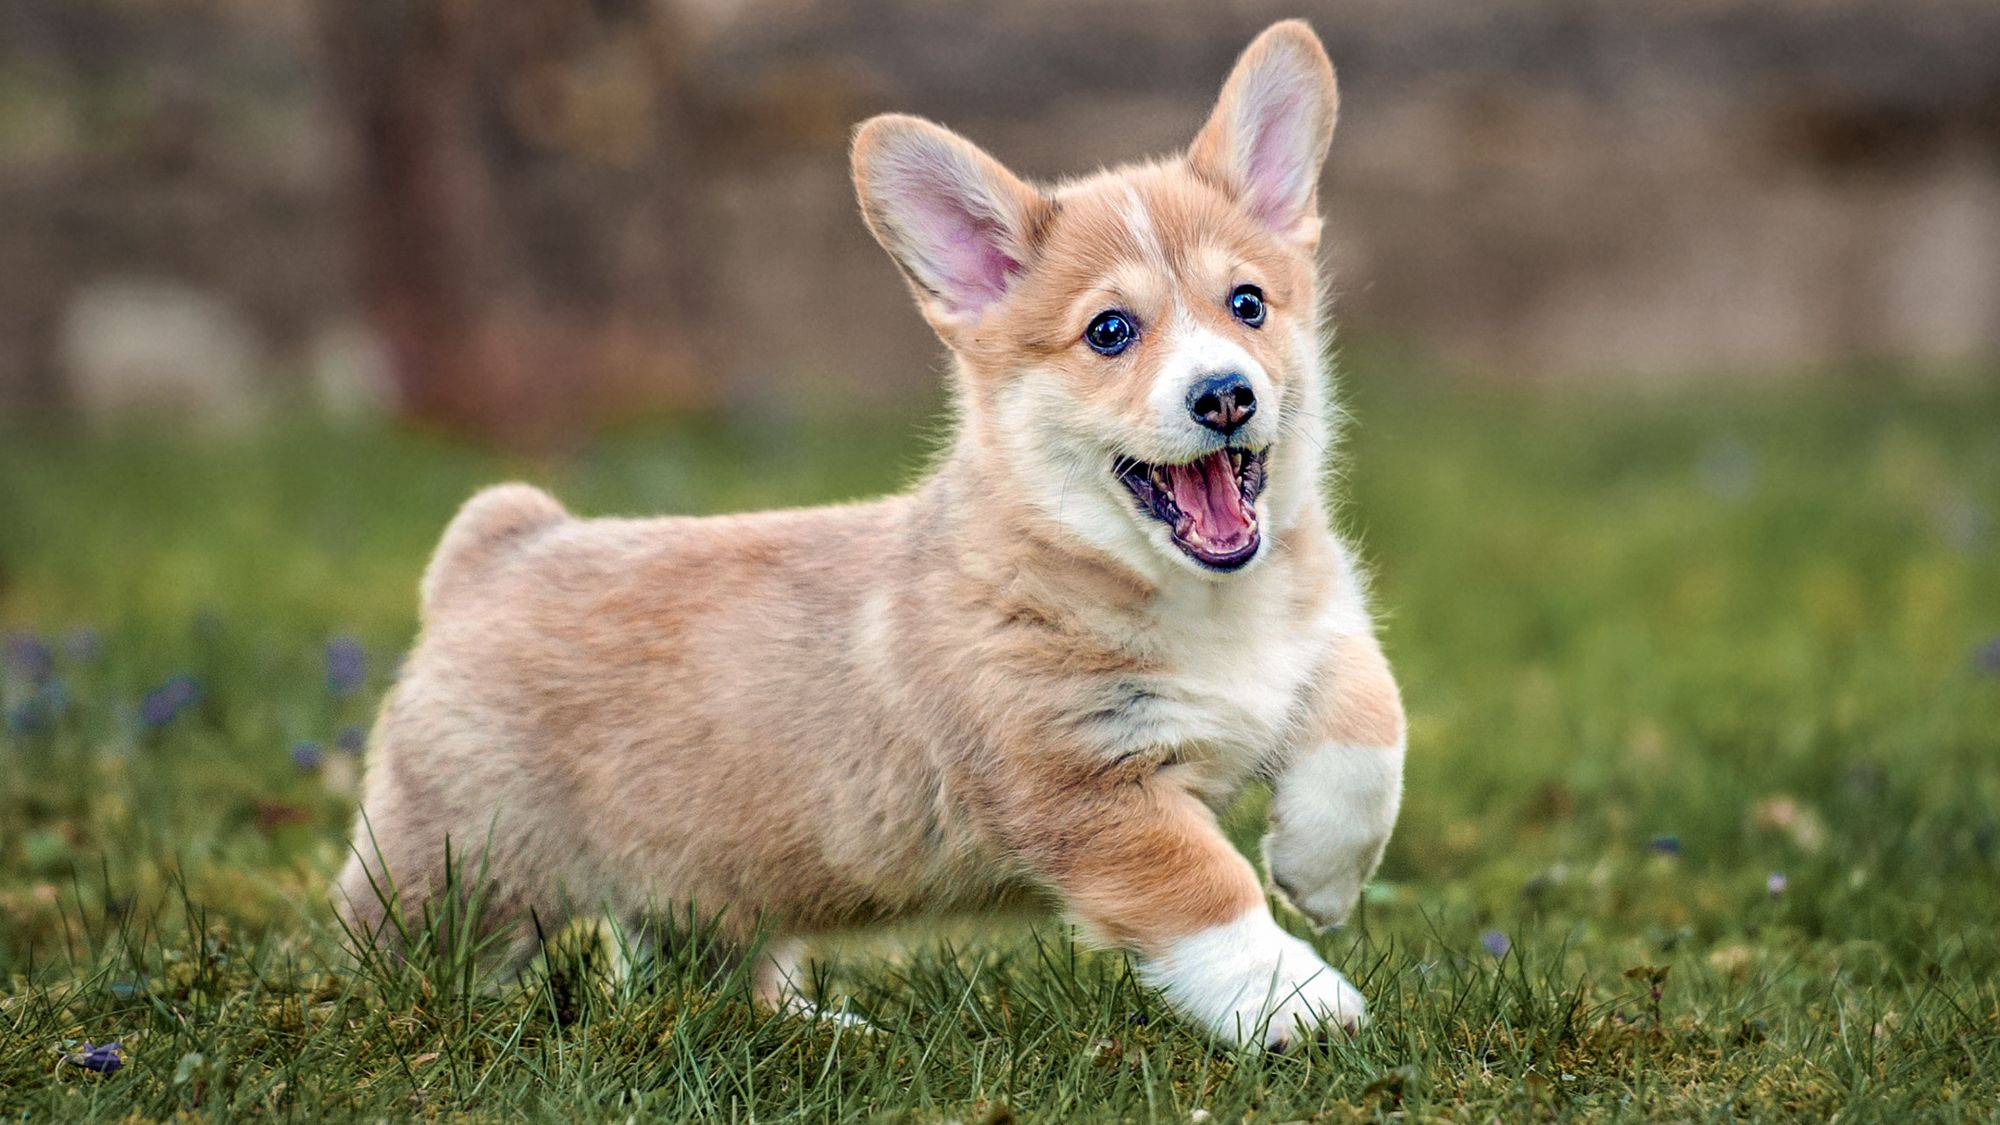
[1309,1009]
[1331,815]
[1320,881]
[1253,985]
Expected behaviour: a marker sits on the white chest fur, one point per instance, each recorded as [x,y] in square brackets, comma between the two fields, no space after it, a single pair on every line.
[1234,663]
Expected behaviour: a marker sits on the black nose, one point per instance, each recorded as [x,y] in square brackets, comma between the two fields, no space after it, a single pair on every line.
[1222,402]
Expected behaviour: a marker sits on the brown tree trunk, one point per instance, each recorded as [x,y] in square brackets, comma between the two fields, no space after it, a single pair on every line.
[522,207]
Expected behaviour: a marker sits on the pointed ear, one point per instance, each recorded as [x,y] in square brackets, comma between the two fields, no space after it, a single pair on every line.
[1268,135]
[961,226]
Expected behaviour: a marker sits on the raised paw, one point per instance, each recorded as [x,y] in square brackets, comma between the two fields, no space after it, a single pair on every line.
[1331,815]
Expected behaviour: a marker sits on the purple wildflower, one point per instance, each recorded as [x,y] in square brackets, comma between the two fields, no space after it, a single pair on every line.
[164,704]
[157,710]
[103,1058]
[346,665]
[1495,943]
[351,739]
[28,657]
[1775,884]
[1666,845]
[307,755]
[1986,657]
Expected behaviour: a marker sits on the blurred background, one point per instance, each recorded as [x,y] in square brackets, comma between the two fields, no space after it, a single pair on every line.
[519,221]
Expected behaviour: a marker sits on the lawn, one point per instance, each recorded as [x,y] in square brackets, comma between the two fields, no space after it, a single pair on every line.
[1701,820]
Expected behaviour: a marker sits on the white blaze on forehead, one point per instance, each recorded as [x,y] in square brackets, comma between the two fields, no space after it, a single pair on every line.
[1139,221]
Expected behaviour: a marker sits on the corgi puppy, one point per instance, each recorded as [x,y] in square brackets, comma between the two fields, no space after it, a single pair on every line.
[1031,682]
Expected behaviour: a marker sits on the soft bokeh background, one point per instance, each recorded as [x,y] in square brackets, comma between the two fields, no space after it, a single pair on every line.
[526,218]
[1671,336]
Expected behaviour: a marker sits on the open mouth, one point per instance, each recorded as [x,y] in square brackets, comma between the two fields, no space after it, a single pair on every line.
[1209,504]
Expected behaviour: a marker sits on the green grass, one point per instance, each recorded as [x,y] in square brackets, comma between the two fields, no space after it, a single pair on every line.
[1656,649]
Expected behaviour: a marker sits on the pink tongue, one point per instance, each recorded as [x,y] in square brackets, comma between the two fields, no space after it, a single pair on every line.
[1206,493]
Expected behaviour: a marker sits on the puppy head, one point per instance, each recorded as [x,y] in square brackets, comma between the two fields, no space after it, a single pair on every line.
[1139,348]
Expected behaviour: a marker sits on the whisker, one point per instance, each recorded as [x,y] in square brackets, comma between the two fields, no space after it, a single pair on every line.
[1291,426]
[1063,496]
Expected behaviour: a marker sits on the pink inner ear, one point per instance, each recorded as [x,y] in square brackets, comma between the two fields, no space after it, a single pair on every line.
[978,263]
[1278,164]
[961,249]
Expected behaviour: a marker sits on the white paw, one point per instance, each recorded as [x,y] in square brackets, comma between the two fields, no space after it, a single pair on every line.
[1313,1007]
[780,981]
[1323,884]
[1254,985]
[1331,815]
[842,1018]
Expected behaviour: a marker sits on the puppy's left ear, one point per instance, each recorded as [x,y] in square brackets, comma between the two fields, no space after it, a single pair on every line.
[1268,135]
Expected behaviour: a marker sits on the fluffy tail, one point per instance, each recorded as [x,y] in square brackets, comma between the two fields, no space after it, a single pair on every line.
[488,524]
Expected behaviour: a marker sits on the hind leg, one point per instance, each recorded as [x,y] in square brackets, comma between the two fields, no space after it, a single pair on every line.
[379,894]
[407,887]
[782,973]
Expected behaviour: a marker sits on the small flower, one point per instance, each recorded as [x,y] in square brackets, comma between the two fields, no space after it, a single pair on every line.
[165,703]
[1665,845]
[351,739]
[156,710]
[346,666]
[1986,657]
[1775,883]
[28,658]
[1495,943]
[104,1059]
[307,755]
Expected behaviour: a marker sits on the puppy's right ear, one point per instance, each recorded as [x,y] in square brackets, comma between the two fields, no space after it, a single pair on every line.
[1268,135]
[961,226]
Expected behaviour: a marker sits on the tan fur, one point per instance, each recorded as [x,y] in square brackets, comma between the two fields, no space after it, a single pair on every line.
[1365,708]
[974,697]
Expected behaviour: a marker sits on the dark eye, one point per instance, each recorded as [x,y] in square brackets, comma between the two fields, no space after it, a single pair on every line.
[1110,332]
[1247,302]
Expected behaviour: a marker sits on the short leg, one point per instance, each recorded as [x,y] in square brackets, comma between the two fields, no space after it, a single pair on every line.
[1140,862]
[399,889]
[1334,803]
[782,972]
